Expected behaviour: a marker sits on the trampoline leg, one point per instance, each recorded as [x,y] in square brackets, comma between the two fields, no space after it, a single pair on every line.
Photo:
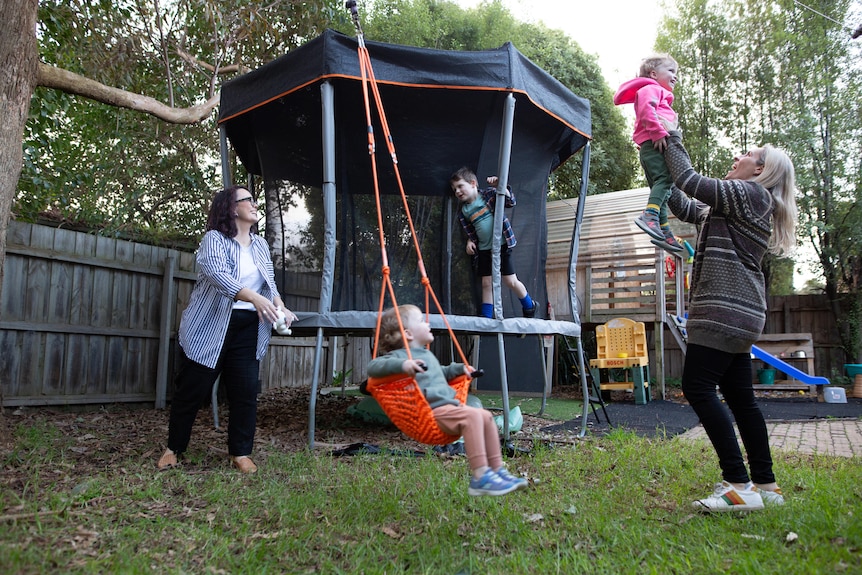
[641,392]
[312,401]
[214,401]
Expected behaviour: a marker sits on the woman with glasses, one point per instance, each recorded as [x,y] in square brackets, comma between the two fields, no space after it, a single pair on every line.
[225,329]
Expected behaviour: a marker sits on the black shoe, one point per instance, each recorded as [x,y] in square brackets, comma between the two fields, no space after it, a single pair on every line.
[530,312]
[668,247]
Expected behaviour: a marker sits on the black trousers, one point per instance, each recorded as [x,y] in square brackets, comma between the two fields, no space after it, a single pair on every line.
[707,368]
[239,372]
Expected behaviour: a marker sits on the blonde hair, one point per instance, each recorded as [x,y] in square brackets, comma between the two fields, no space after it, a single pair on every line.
[779,177]
[650,63]
[390,332]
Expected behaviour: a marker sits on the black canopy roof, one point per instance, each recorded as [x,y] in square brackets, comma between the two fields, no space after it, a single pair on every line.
[444,109]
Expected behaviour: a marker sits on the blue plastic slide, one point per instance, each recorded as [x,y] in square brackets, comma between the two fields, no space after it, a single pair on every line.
[785,367]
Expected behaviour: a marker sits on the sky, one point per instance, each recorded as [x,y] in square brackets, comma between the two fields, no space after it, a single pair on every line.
[619,32]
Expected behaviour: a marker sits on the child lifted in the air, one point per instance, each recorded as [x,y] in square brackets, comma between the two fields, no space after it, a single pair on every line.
[652,95]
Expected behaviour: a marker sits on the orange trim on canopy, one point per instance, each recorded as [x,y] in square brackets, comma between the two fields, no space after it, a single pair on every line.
[406,85]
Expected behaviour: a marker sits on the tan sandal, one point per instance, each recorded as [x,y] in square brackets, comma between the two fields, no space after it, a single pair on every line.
[244,464]
[168,460]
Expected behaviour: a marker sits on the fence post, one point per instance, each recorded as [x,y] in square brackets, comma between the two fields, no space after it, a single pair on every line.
[167,321]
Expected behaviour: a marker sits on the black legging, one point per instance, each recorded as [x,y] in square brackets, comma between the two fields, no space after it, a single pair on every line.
[706,368]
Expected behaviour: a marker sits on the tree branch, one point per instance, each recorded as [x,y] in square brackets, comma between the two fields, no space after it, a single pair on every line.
[229,69]
[71,83]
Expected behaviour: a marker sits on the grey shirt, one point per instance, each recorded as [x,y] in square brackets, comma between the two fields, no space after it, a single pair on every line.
[434,382]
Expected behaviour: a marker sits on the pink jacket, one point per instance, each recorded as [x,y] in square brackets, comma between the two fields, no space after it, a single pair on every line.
[651,101]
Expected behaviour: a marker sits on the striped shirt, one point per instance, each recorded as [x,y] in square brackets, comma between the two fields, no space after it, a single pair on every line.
[489,195]
[205,320]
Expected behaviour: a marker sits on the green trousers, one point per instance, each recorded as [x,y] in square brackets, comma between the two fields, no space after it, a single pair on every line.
[658,178]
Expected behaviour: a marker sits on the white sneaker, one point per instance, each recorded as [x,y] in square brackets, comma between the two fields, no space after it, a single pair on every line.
[771,497]
[728,498]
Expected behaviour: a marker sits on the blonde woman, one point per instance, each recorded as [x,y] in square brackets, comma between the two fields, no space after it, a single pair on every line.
[741,218]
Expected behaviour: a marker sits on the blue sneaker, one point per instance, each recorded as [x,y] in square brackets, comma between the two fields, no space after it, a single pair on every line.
[491,484]
[505,475]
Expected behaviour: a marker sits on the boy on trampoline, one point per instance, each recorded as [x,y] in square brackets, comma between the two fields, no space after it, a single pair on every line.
[652,95]
[481,438]
[477,218]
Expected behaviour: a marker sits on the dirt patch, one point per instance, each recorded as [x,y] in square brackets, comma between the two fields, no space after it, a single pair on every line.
[96,437]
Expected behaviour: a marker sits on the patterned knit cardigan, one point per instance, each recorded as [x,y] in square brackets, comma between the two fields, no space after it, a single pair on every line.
[727,303]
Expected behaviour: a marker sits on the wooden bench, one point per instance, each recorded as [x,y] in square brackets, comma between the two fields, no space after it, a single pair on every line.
[797,349]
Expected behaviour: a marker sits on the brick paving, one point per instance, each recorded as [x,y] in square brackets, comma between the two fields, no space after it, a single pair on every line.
[840,437]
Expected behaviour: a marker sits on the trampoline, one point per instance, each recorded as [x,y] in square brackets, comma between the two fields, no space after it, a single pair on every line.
[298,123]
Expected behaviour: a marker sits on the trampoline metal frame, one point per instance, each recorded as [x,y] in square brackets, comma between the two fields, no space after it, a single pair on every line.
[325,321]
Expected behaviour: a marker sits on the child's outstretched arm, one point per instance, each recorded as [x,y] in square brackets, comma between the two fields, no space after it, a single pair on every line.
[491,198]
[384,365]
[412,366]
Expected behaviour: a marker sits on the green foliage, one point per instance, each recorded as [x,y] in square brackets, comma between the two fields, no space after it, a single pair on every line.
[125,173]
[613,158]
[785,73]
[444,25]
[340,377]
[779,274]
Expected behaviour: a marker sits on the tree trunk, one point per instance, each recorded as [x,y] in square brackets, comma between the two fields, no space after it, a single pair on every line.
[18,60]
[274,195]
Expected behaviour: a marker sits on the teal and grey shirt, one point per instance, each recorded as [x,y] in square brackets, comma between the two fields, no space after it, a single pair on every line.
[477,219]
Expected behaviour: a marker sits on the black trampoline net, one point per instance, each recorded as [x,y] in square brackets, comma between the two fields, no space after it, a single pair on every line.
[359,259]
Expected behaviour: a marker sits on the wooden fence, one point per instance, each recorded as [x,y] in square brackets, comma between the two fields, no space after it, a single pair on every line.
[87,320]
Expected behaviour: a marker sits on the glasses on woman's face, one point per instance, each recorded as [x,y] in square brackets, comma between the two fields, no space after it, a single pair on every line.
[248,199]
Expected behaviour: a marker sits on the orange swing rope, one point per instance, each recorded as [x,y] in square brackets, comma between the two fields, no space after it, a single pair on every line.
[399,395]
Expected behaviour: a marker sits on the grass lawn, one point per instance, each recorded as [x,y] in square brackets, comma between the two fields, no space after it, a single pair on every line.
[616,504]
[556,408]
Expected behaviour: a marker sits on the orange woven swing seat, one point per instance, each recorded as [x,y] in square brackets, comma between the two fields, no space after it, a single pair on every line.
[404,403]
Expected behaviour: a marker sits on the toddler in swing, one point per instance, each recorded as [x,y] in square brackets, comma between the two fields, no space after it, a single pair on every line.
[652,95]
[477,219]
[481,438]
